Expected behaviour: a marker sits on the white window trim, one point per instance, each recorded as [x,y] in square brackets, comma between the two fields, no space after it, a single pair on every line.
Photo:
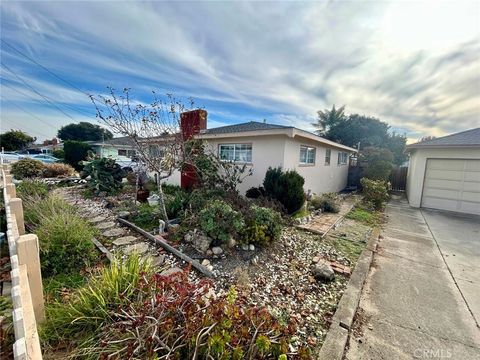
[329,152]
[340,160]
[234,147]
[314,155]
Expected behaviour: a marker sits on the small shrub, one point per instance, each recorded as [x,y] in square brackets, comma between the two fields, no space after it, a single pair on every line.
[36,209]
[27,168]
[374,192]
[90,306]
[263,226]
[147,217]
[255,192]
[57,170]
[219,221]
[286,187]
[271,183]
[199,198]
[59,153]
[106,175]
[175,201]
[65,243]
[328,202]
[32,188]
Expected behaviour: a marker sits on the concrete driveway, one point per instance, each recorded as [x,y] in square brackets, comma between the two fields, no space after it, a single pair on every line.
[411,306]
[458,238]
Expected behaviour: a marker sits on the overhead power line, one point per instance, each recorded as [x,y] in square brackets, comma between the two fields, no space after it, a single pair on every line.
[44,67]
[29,113]
[37,92]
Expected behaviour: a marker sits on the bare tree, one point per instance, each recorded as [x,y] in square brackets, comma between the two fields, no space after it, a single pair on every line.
[153,129]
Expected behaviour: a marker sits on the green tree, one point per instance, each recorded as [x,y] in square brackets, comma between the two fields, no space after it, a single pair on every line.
[84,131]
[376,163]
[327,119]
[368,131]
[75,151]
[15,140]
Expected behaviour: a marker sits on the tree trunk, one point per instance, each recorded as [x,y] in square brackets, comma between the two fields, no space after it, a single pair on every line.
[161,202]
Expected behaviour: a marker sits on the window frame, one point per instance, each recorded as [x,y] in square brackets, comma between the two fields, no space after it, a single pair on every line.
[124,152]
[308,150]
[328,155]
[249,159]
[342,158]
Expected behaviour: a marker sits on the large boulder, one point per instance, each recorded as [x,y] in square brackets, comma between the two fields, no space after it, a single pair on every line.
[201,242]
[323,271]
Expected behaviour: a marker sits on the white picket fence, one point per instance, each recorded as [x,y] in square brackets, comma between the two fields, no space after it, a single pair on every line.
[27,288]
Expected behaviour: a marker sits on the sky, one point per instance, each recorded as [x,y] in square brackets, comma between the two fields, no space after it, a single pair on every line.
[414,65]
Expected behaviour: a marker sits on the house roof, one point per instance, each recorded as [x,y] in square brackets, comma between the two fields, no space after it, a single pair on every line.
[255,128]
[248,126]
[119,141]
[468,138]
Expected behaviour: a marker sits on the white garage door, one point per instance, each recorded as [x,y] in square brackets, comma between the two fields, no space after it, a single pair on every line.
[452,185]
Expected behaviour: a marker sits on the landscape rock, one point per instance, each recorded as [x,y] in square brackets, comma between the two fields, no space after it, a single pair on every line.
[323,271]
[251,247]
[156,260]
[140,248]
[205,262]
[114,232]
[123,214]
[245,247]
[231,243]
[217,250]
[105,225]
[201,242]
[125,240]
[97,219]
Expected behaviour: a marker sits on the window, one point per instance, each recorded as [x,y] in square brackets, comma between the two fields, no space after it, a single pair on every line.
[127,153]
[307,155]
[342,158]
[328,154]
[122,152]
[236,152]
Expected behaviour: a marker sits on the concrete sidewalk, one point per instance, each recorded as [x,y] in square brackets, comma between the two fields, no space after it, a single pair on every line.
[411,306]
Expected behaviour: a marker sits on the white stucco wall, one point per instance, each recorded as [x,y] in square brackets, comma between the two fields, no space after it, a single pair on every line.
[319,178]
[266,151]
[418,161]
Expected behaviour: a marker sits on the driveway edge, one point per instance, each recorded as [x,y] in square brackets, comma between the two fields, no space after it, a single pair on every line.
[334,345]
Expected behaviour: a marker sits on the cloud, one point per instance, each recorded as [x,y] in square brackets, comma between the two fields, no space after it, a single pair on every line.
[403,63]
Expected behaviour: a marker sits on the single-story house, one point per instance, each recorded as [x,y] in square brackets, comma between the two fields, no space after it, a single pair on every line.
[259,145]
[444,173]
[120,148]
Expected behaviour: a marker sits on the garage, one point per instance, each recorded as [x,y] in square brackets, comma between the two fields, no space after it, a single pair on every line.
[453,185]
[444,173]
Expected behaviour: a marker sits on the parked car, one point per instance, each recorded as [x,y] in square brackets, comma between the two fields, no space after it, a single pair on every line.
[11,156]
[48,159]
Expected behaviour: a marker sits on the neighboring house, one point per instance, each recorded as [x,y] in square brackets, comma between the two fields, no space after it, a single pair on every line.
[323,163]
[444,173]
[120,148]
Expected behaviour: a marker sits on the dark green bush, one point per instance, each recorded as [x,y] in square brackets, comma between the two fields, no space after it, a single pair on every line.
[65,244]
[219,221]
[59,154]
[374,192]
[27,168]
[328,202]
[147,217]
[106,175]
[286,187]
[32,188]
[376,163]
[76,151]
[199,198]
[263,225]
[255,192]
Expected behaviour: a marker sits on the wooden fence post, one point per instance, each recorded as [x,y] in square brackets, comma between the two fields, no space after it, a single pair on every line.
[17,209]
[31,335]
[11,190]
[8,179]
[28,254]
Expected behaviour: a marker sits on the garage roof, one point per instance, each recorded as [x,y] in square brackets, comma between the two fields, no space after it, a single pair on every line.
[468,138]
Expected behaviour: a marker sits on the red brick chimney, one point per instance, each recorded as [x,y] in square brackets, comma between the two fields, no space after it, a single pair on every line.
[191,124]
